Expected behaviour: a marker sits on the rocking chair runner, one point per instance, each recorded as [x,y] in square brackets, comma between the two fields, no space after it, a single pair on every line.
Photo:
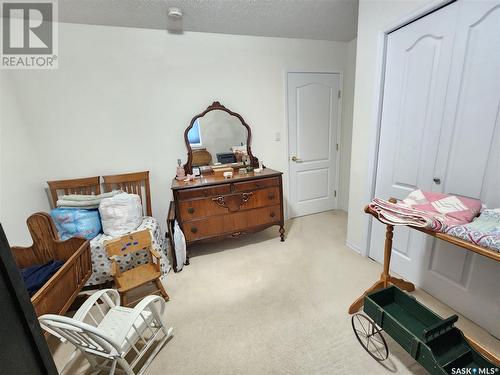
[140,275]
[105,332]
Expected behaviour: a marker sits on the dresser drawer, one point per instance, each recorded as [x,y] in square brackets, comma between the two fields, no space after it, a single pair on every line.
[233,223]
[224,204]
[204,192]
[256,184]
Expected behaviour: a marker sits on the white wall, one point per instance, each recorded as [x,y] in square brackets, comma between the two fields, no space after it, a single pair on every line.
[346,131]
[122,97]
[22,171]
[373,17]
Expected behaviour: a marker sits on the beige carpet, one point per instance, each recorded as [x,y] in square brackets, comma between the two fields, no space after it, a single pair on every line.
[259,306]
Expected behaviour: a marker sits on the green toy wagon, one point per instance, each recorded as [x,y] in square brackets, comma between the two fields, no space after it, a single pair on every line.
[434,342]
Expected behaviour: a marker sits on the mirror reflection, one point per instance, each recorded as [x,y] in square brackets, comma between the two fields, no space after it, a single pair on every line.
[218,138]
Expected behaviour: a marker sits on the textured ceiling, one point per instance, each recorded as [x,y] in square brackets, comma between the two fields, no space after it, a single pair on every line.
[310,19]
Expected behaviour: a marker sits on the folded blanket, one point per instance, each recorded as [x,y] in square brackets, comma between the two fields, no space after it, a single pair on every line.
[84,201]
[483,231]
[36,276]
[76,204]
[433,211]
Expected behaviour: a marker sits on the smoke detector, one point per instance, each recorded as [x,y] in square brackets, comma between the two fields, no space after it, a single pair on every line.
[175,13]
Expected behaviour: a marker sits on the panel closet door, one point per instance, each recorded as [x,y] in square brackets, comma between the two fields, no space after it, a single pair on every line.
[470,163]
[453,137]
[417,69]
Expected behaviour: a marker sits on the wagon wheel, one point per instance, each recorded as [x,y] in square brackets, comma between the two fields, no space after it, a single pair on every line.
[370,336]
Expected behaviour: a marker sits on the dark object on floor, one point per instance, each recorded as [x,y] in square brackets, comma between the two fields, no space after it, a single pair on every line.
[35,276]
[434,342]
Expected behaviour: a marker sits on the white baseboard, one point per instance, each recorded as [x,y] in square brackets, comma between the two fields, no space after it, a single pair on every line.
[353,247]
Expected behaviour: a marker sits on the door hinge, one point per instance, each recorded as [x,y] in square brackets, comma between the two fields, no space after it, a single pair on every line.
[337,147]
[335,193]
[340,94]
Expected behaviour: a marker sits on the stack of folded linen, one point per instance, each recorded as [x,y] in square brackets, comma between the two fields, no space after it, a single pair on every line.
[84,201]
[433,211]
[483,231]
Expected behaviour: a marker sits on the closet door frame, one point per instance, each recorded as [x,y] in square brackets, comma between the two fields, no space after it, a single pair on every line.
[373,148]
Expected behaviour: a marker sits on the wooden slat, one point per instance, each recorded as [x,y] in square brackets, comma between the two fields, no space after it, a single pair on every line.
[131,183]
[88,185]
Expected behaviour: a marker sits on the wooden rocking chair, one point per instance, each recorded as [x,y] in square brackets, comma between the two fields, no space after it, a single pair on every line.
[140,275]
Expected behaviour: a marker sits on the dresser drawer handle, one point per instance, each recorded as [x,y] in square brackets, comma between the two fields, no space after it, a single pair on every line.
[270,196]
[257,186]
[190,210]
[245,197]
[272,214]
[220,201]
[194,229]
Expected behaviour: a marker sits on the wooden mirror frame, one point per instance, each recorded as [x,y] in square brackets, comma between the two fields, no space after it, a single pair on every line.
[188,168]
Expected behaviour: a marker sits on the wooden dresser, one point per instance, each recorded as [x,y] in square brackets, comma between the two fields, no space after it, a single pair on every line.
[213,207]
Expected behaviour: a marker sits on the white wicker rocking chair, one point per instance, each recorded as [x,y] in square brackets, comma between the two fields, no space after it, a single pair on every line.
[105,332]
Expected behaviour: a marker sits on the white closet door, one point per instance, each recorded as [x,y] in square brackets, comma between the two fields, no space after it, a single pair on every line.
[417,70]
[470,163]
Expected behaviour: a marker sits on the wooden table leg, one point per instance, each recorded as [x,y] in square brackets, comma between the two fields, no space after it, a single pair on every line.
[385,278]
[356,305]
[402,284]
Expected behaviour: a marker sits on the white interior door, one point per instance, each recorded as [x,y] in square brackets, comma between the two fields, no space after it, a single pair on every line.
[470,163]
[417,70]
[313,112]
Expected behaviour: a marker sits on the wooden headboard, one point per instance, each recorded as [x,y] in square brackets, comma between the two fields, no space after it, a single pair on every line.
[88,185]
[132,183]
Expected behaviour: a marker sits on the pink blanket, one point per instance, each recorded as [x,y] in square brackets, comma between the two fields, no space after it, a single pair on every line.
[434,211]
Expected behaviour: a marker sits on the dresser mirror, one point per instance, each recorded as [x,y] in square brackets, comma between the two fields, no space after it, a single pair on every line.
[218,136]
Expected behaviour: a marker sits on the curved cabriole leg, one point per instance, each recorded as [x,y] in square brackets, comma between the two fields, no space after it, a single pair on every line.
[282,233]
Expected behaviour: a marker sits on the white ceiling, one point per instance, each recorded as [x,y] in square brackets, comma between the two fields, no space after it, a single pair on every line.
[310,19]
